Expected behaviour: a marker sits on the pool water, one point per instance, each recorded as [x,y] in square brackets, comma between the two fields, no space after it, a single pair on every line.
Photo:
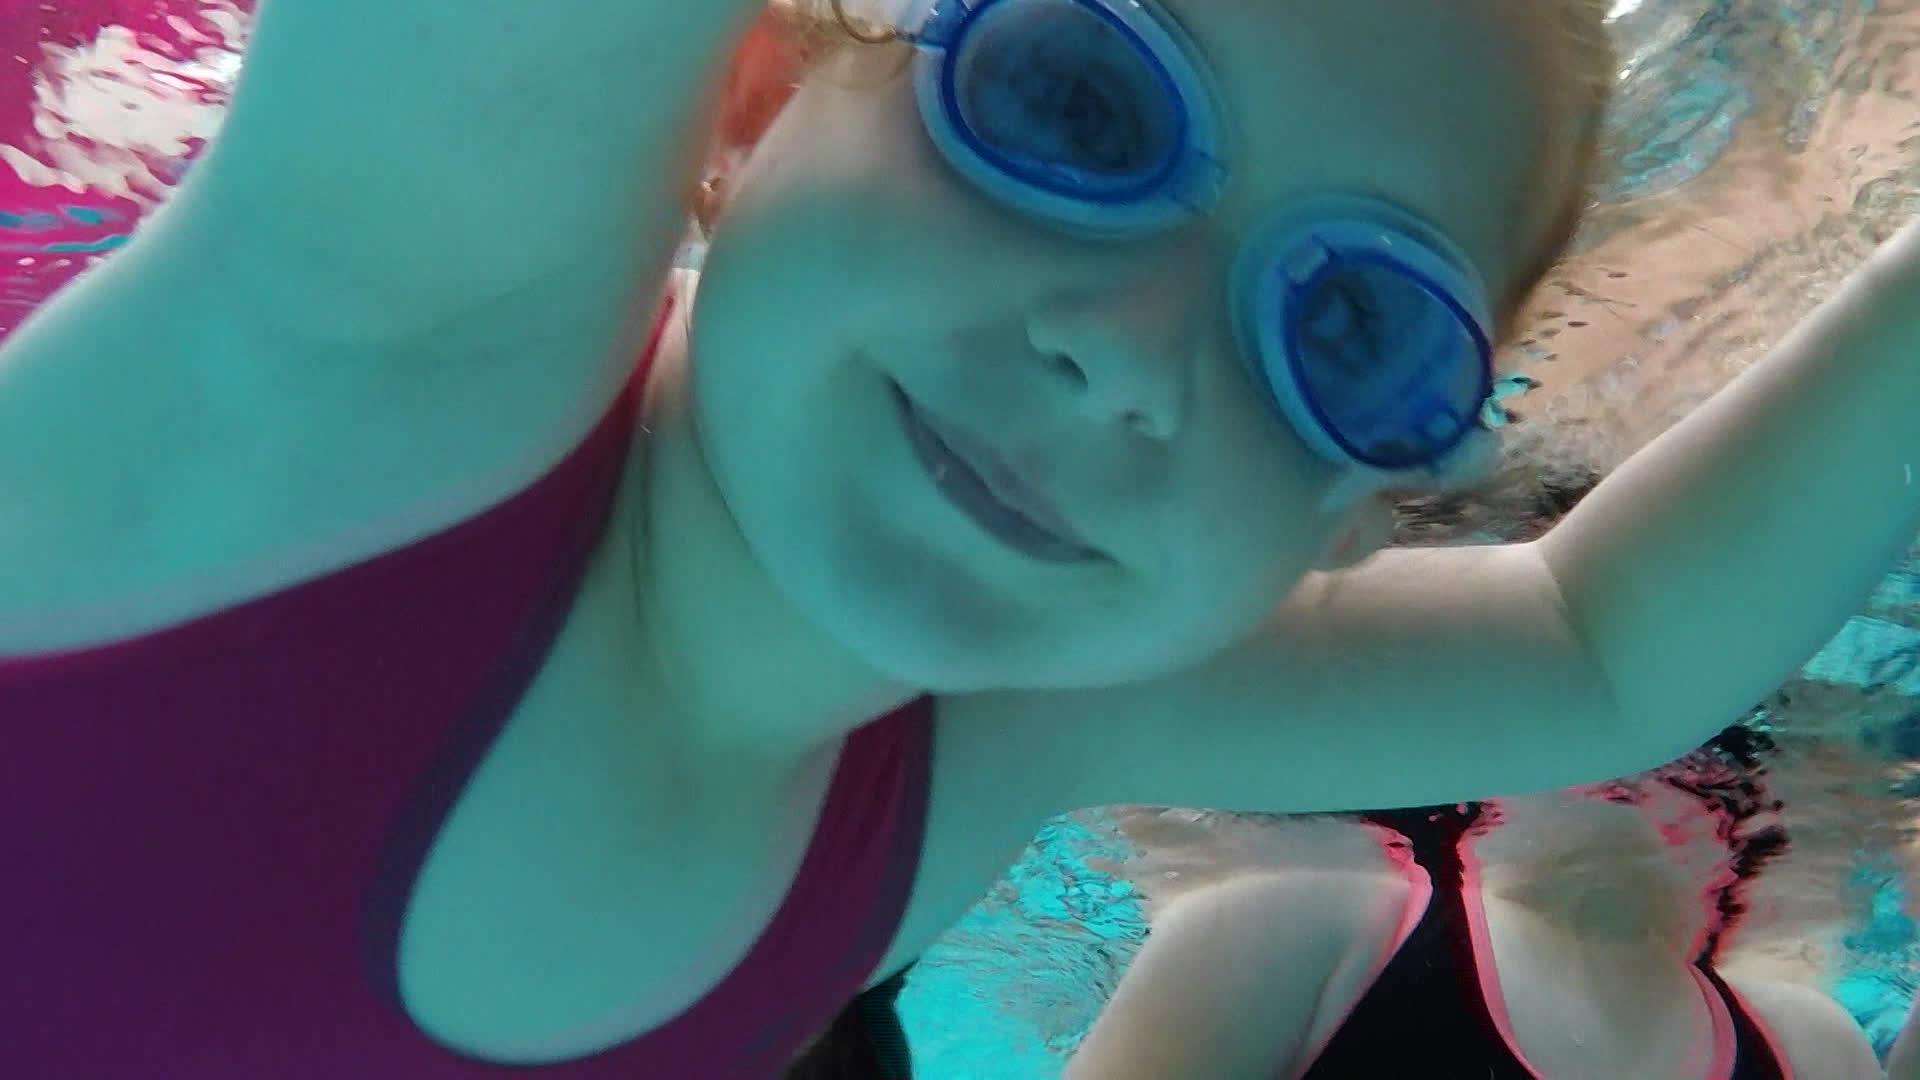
[1759,150]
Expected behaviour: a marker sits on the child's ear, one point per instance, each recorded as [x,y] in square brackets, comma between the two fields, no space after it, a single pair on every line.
[756,84]
[760,79]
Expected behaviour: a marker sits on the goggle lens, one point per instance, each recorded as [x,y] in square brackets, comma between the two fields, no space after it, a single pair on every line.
[1063,97]
[1394,371]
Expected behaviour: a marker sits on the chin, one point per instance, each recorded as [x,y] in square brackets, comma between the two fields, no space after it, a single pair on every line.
[936,660]
[978,646]
[939,633]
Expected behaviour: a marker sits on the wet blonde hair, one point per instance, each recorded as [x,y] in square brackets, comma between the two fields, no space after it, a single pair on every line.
[1574,54]
[1567,40]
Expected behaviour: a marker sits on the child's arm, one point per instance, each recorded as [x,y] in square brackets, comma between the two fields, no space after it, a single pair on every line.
[410,272]
[1682,590]
[414,160]
[1723,555]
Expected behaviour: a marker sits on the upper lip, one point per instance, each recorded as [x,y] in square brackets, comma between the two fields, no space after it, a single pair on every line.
[1006,482]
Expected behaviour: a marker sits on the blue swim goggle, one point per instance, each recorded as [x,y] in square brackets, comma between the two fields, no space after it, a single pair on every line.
[1368,329]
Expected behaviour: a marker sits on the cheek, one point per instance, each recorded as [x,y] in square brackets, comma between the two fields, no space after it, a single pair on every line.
[859,145]
[1232,558]
[888,259]
[1249,501]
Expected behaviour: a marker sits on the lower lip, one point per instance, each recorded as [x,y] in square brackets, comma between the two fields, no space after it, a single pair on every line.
[965,490]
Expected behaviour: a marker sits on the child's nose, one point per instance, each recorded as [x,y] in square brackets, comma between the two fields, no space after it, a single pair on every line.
[1126,350]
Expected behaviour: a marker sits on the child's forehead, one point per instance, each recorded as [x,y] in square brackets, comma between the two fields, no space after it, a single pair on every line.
[1435,113]
[1378,27]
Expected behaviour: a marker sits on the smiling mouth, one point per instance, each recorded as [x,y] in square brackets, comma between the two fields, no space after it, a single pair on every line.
[986,492]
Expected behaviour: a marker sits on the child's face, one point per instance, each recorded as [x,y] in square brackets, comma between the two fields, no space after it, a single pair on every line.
[854,265]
